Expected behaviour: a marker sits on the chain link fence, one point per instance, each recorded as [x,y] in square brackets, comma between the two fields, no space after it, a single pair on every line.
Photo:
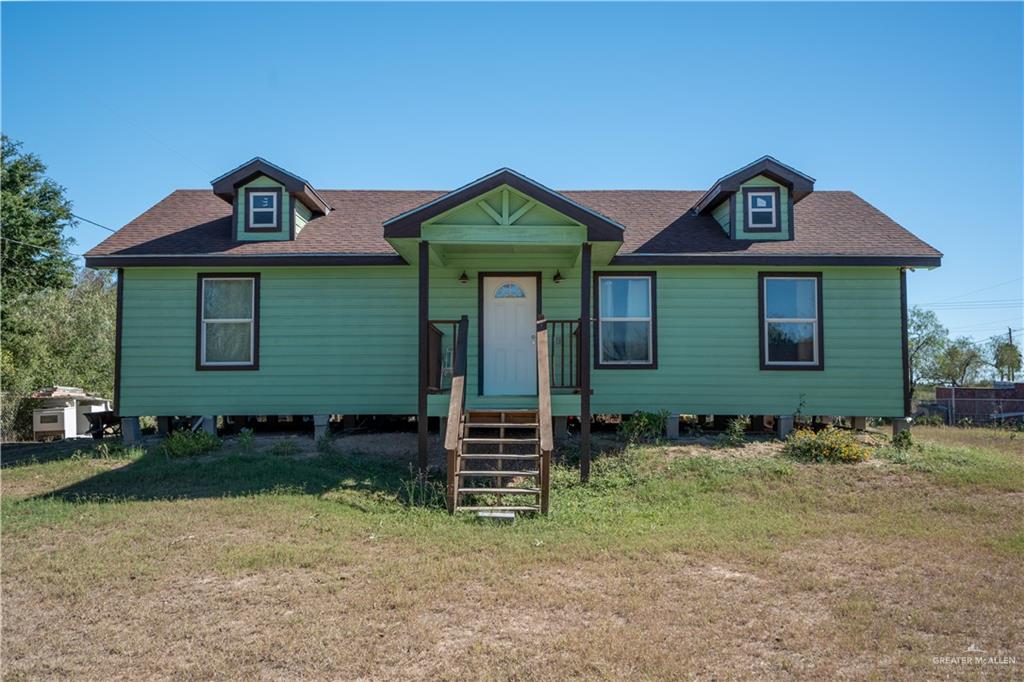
[955,409]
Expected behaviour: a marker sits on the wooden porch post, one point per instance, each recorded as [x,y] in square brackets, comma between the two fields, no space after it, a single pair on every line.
[424,330]
[585,275]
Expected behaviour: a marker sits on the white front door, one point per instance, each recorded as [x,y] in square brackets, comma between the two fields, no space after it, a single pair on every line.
[510,333]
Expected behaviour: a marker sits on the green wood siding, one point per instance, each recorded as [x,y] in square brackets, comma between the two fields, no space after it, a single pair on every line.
[708,349]
[343,340]
[741,211]
[332,340]
[302,216]
[721,214]
[283,232]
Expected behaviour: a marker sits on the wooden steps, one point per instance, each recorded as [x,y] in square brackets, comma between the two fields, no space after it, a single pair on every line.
[490,438]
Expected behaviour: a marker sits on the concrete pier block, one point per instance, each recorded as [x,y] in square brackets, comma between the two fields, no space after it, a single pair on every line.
[131,433]
[320,425]
[672,426]
[859,423]
[163,426]
[783,425]
[559,428]
[210,424]
[900,425]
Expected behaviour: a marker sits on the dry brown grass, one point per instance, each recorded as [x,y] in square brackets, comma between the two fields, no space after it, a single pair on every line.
[728,567]
[1004,440]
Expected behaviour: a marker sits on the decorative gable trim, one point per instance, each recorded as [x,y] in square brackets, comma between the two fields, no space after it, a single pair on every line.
[599,227]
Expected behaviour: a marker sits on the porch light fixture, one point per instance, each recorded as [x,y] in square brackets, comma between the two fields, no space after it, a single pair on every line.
[558,276]
[463,278]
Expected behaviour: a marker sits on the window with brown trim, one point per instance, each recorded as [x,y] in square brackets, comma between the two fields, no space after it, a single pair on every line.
[625,312]
[761,209]
[227,321]
[790,318]
[263,209]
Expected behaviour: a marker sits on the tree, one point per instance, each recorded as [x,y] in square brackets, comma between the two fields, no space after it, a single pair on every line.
[958,363]
[34,212]
[1005,357]
[66,337]
[926,337]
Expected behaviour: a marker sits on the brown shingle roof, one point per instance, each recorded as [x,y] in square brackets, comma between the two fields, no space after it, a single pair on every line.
[197,222]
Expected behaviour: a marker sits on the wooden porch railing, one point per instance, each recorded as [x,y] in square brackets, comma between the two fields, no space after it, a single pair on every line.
[564,349]
[456,407]
[544,411]
[442,344]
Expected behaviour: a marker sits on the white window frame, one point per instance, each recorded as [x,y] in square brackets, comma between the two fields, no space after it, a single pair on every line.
[814,321]
[751,211]
[252,210]
[203,321]
[601,319]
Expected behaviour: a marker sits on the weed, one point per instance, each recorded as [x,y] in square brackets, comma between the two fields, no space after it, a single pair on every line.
[325,444]
[644,427]
[903,440]
[735,434]
[284,448]
[106,450]
[246,440]
[188,444]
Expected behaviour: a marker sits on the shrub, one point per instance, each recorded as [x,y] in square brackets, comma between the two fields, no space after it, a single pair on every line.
[644,427]
[735,434]
[929,420]
[188,444]
[828,445]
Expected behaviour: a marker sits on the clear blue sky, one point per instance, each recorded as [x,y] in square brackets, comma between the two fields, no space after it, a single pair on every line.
[916,107]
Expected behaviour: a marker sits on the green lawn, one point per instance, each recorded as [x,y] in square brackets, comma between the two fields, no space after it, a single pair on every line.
[674,562]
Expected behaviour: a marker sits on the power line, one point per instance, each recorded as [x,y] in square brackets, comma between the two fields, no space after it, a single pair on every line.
[970,305]
[993,286]
[983,325]
[91,222]
[43,248]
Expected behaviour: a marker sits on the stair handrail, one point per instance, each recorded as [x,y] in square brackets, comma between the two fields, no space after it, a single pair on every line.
[456,407]
[544,410]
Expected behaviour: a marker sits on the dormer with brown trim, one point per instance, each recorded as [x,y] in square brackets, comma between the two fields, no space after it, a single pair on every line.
[269,203]
[756,202]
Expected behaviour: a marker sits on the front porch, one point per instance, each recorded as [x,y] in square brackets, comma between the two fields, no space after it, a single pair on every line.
[493,259]
[489,323]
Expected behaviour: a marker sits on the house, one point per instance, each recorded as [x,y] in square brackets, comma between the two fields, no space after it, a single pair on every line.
[60,412]
[756,295]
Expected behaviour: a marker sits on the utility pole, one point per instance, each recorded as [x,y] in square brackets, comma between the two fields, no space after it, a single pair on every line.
[1009,332]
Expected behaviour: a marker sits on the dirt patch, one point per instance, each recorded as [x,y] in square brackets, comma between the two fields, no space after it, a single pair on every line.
[707,446]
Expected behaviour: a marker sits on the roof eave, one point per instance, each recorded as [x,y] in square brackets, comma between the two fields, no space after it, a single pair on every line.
[911,261]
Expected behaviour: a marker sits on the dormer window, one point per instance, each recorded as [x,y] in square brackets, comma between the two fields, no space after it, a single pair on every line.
[264,210]
[762,209]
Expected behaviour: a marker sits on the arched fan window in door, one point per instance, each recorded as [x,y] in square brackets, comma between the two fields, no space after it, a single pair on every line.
[509,290]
